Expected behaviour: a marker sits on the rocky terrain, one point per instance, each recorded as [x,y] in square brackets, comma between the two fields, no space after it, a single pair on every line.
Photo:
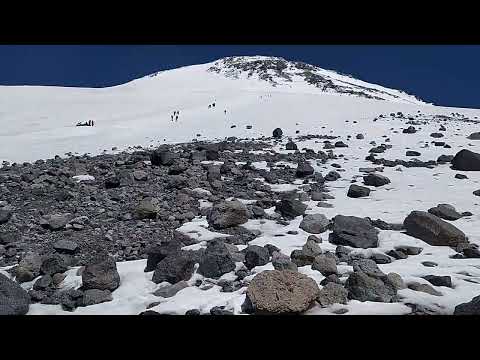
[252,226]
[278,188]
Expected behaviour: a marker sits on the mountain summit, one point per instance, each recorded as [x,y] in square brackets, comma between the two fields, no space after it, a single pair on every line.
[280,72]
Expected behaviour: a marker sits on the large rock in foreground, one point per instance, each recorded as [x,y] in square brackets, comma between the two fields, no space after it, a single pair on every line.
[353,231]
[280,292]
[470,308]
[101,275]
[13,299]
[466,160]
[227,214]
[433,230]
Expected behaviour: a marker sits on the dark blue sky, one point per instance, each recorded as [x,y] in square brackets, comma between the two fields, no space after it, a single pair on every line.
[442,74]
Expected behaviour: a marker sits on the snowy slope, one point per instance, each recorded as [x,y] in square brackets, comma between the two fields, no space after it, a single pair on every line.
[39,122]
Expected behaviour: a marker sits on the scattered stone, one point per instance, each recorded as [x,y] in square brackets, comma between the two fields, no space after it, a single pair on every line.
[326,265]
[216,261]
[415,286]
[469,308]
[433,230]
[439,280]
[96,296]
[13,299]
[445,211]
[466,160]
[282,262]
[362,287]
[227,214]
[290,208]
[280,292]
[332,293]
[171,290]
[412,153]
[353,231]
[375,180]
[101,274]
[357,191]
[314,223]
[65,246]
[256,256]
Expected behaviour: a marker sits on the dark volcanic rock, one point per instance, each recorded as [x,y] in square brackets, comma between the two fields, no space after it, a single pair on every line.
[5,215]
[353,231]
[158,252]
[277,133]
[445,211]
[256,256]
[290,208]
[216,261]
[433,230]
[439,280]
[101,274]
[314,223]
[357,191]
[466,160]
[159,158]
[227,214]
[304,169]
[13,299]
[470,308]
[174,268]
[375,180]
[412,153]
[362,287]
[53,264]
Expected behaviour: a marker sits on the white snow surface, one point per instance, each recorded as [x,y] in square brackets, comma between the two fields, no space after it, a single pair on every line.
[39,122]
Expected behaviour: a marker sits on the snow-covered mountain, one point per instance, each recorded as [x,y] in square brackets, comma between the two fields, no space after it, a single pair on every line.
[39,121]
[44,204]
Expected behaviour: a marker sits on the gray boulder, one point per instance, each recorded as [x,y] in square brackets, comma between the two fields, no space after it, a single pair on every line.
[65,246]
[216,261]
[304,169]
[101,274]
[466,160]
[5,215]
[95,296]
[290,208]
[469,308]
[428,289]
[314,223]
[171,290]
[445,211]
[282,262]
[256,256]
[13,299]
[376,180]
[353,231]
[280,292]
[433,230]
[362,287]
[326,265]
[357,191]
[332,293]
[53,264]
[227,214]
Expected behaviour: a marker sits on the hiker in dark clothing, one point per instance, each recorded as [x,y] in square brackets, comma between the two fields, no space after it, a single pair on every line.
[176,118]
[171,116]
[213,104]
[209,106]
